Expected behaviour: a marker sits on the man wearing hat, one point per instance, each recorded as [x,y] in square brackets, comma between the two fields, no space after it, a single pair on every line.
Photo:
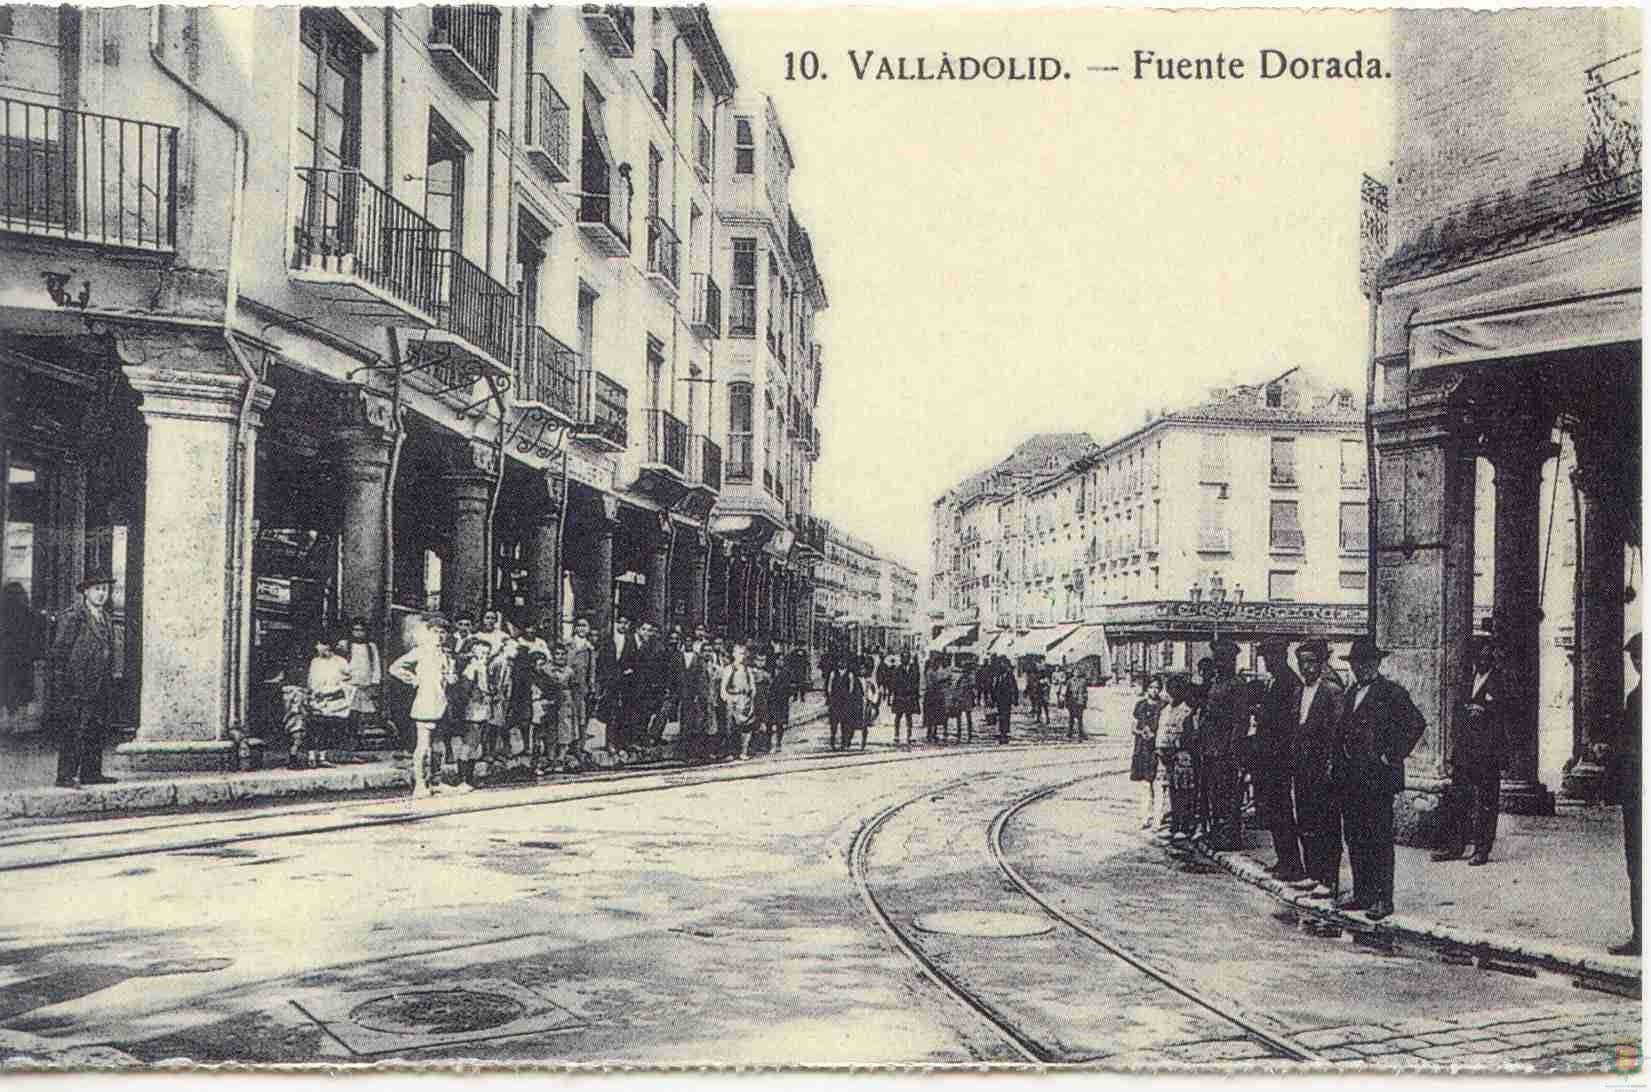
[1224,720]
[1380,726]
[1275,729]
[1318,811]
[1623,765]
[1476,758]
[82,661]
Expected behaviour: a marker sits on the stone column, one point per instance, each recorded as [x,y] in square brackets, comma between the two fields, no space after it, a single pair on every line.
[1519,447]
[695,569]
[465,578]
[659,580]
[361,448]
[544,587]
[596,575]
[192,590]
[1599,623]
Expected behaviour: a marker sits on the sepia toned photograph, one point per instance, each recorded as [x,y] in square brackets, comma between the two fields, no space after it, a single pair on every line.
[586,537]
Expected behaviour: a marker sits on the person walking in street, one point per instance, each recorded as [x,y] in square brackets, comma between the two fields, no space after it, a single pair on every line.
[845,702]
[1177,744]
[82,663]
[906,699]
[1318,809]
[693,701]
[1143,761]
[1077,703]
[429,670]
[937,685]
[1379,728]
[1477,752]
[1005,696]
[960,701]
[1623,783]
[1276,716]
[872,696]
[739,691]
[776,710]
[1224,720]
[1037,696]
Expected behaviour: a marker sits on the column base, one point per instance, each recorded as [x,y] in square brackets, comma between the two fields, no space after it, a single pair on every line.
[180,755]
[1526,798]
[1585,781]
[1419,811]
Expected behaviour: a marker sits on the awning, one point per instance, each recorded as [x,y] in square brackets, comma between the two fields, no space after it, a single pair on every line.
[1084,642]
[1597,304]
[999,643]
[953,635]
[1039,641]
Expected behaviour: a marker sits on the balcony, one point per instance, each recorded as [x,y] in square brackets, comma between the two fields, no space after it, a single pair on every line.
[667,441]
[1283,476]
[1286,541]
[742,311]
[353,239]
[739,463]
[464,44]
[1215,540]
[605,215]
[613,26]
[548,145]
[664,250]
[707,464]
[706,307]
[474,328]
[88,178]
[604,410]
[547,375]
[702,150]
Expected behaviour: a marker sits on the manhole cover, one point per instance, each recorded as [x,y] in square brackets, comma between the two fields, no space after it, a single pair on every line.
[983,923]
[437,1012]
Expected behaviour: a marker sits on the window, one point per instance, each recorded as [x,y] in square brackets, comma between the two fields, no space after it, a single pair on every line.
[1353,463]
[1212,518]
[1284,461]
[745,147]
[1212,461]
[742,310]
[654,162]
[739,432]
[587,328]
[1275,396]
[1286,527]
[1355,528]
[1281,586]
[329,131]
[444,182]
[1352,580]
[530,243]
[657,398]
[662,82]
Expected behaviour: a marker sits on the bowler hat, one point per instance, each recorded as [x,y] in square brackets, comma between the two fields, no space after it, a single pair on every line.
[95,577]
[1223,647]
[1365,651]
[437,621]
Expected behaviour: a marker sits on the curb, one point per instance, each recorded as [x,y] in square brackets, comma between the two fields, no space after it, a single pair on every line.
[1550,955]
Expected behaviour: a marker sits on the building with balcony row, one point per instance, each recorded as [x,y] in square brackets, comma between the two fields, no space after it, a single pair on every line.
[1243,516]
[863,602]
[323,312]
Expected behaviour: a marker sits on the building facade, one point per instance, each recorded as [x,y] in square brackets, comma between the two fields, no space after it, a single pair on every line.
[1503,270]
[863,602]
[379,311]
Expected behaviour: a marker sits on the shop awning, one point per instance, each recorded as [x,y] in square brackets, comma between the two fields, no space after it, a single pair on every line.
[1082,643]
[1039,641]
[953,635]
[999,643]
[1593,305]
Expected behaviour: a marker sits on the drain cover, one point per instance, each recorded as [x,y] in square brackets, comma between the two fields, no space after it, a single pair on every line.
[983,923]
[437,1012]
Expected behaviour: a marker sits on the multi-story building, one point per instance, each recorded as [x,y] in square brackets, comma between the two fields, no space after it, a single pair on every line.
[897,590]
[1503,270]
[371,311]
[1243,517]
[864,602]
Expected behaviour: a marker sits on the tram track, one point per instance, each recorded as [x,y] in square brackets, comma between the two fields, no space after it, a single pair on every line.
[1024,1045]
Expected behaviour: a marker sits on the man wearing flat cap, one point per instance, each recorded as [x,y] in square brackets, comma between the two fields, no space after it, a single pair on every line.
[82,663]
[1379,728]
[1275,729]
[1222,723]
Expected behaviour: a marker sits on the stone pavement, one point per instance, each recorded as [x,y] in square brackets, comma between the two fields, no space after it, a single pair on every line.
[1574,1037]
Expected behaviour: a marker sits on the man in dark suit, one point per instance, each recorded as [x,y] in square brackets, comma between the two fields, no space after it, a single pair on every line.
[845,701]
[1318,812]
[1623,764]
[1379,728]
[613,652]
[1476,759]
[1276,719]
[1223,721]
[82,663]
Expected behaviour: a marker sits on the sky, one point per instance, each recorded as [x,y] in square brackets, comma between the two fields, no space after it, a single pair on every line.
[1009,258]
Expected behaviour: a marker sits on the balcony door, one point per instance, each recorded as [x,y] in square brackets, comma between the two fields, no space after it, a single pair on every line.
[444,183]
[39,66]
[328,153]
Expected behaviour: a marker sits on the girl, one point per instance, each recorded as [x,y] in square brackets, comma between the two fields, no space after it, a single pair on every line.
[873,697]
[555,679]
[1143,763]
[1176,743]
[331,697]
[429,670]
[475,655]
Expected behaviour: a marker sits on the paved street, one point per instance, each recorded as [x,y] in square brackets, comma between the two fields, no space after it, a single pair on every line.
[717,915]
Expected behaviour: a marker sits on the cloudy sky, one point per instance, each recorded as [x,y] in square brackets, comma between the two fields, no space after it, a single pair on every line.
[1006,258]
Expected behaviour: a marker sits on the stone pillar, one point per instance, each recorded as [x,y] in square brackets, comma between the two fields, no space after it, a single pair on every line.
[545,581]
[464,578]
[1519,447]
[361,448]
[695,569]
[1599,622]
[192,599]
[659,580]
[596,576]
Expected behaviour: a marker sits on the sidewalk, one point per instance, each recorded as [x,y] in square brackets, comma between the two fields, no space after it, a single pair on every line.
[27,792]
[1554,894]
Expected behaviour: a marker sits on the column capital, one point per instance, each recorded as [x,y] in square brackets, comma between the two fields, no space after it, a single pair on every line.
[170,393]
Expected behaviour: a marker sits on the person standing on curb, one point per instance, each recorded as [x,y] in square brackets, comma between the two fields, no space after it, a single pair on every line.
[82,662]
[1476,760]
[1223,721]
[1077,702]
[1143,761]
[429,669]
[739,693]
[1379,728]
[1005,695]
[1624,774]
[1318,812]
[1275,724]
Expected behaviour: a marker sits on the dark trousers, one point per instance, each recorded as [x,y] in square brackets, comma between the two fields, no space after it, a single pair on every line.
[80,747]
[1278,811]
[1367,824]
[1225,780]
[1318,825]
[842,729]
[1475,811]
[1631,846]
[1003,713]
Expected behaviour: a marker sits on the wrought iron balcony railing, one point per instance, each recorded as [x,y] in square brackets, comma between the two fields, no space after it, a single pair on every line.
[464,41]
[667,440]
[613,26]
[707,306]
[739,465]
[742,310]
[605,213]
[548,143]
[349,228]
[708,464]
[91,178]
[664,249]
[1611,155]
[604,410]
[547,374]
[474,306]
